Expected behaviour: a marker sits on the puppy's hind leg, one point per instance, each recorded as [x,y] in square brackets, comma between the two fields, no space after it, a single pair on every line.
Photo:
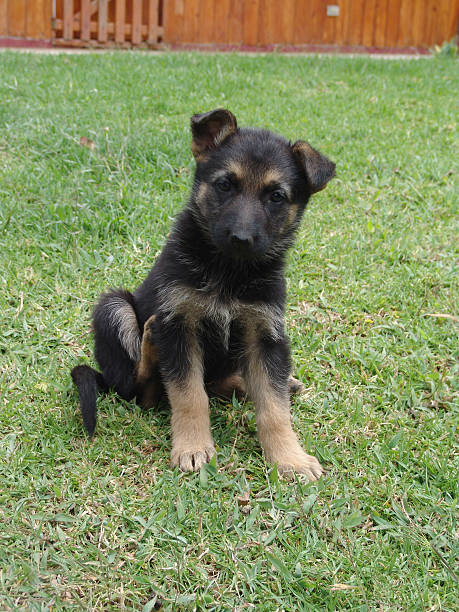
[117,340]
[148,381]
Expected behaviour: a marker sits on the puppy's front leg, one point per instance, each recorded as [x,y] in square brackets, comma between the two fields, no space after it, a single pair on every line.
[182,370]
[266,374]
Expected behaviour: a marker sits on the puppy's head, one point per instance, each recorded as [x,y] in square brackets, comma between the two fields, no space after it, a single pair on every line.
[251,186]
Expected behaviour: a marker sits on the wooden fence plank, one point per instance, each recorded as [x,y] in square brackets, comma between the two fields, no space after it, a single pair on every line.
[37,19]
[301,24]
[404,27]
[120,14]
[329,25]
[392,23]
[222,8]
[68,19]
[16,17]
[85,17]
[235,22]
[189,20]
[453,21]
[354,35]
[441,22]
[102,21]
[250,22]
[314,20]
[379,37]
[368,23]
[178,20]
[340,20]
[153,14]
[205,29]
[3,17]
[419,22]
[136,21]
[288,21]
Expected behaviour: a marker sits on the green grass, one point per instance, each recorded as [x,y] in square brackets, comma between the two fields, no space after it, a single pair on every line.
[108,525]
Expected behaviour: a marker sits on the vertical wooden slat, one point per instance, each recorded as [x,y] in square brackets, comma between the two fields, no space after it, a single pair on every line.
[441,22]
[418,22]
[392,23]
[152,36]
[307,22]
[196,20]
[136,21]
[368,23]
[102,21]
[250,23]
[188,21]
[288,22]
[68,19]
[221,21]
[339,29]
[235,22]
[354,33]
[177,20]
[85,18]
[380,23]
[16,17]
[193,25]
[205,28]
[404,26]
[3,17]
[274,22]
[37,19]
[329,26]
[120,15]
[452,27]
[318,18]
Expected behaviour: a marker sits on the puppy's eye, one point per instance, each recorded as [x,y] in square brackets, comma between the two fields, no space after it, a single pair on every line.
[277,196]
[223,184]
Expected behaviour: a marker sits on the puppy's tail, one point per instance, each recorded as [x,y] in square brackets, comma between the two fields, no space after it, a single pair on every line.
[89,383]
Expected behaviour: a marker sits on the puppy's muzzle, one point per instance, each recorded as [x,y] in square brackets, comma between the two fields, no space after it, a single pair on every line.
[242,242]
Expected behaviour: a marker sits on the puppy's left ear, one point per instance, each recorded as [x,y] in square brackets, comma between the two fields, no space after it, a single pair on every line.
[318,168]
[210,129]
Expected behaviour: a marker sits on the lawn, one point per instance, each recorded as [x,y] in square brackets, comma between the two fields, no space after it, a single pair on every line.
[371,316]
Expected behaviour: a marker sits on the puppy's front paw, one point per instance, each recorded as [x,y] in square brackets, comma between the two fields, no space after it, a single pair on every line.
[191,459]
[301,463]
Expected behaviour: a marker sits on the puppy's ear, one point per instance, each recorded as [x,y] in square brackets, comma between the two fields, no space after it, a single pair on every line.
[210,129]
[319,169]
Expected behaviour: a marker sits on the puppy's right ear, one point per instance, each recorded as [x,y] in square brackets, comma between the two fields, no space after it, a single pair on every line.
[210,129]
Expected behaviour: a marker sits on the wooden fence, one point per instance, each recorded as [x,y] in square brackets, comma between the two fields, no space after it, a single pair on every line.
[369,23]
[365,23]
[26,19]
[108,22]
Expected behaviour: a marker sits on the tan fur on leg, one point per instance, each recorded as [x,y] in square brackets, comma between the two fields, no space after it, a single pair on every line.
[277,438]
[192,443]
[147,380]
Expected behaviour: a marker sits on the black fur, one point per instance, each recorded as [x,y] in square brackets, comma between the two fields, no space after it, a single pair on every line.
[223,261]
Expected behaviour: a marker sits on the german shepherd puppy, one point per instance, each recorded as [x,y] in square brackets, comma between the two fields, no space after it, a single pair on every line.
[209,316]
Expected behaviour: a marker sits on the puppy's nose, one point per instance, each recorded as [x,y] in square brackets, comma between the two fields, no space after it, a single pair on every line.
[241,239]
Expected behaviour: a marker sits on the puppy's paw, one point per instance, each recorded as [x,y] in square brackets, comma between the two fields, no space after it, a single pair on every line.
[301,463]
[191,459]
[295,387]
[149,329]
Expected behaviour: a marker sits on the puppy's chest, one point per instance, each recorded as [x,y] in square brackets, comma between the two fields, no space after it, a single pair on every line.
[202,310]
